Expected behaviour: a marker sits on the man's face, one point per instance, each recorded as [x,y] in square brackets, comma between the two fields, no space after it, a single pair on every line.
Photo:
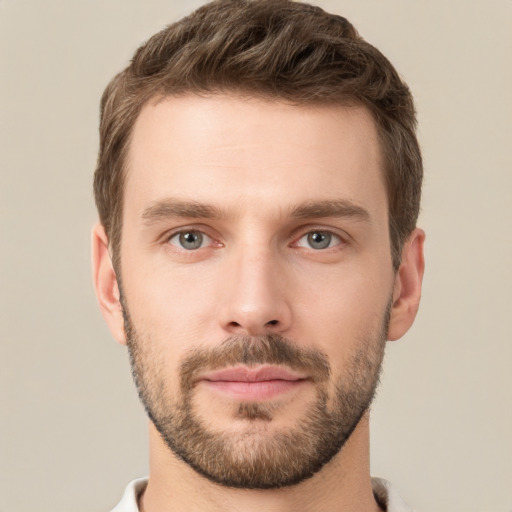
[256,281]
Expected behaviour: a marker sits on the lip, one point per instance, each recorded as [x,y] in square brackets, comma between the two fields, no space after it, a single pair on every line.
[253,384]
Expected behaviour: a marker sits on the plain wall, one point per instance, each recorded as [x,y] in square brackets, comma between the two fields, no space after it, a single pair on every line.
[72,433]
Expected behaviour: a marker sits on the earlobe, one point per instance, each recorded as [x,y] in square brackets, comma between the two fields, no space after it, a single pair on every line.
[106,285]
[407,288]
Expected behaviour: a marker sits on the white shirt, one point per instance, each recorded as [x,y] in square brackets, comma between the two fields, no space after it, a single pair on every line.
[384,492]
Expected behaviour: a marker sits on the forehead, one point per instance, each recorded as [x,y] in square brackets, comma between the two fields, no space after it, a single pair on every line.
[228,149]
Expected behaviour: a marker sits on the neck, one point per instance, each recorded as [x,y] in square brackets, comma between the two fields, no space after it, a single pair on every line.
[342,484]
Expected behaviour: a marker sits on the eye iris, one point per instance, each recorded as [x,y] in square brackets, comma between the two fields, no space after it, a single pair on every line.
[191,240]
[319,240]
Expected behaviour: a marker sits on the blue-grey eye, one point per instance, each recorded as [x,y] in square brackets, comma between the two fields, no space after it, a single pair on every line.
[319,240]
[189,240]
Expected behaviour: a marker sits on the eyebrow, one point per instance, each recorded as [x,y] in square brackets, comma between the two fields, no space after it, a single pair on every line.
[171,207]
[168,208]
[330,208]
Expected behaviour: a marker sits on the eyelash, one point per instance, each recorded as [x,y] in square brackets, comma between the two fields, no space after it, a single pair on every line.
[332,237]
[189,231]
[295,239]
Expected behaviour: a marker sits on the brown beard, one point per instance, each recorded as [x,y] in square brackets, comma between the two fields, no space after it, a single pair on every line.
[256,459]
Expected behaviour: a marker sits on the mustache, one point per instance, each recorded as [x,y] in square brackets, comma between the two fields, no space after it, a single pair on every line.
[272,349]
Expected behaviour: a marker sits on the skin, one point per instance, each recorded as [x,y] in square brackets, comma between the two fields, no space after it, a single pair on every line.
[257,161]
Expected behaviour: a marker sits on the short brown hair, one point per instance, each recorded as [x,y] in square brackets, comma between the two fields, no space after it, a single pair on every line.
[275,49]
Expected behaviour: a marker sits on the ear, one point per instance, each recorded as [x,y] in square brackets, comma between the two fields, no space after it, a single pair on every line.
[105,284]
[407,289]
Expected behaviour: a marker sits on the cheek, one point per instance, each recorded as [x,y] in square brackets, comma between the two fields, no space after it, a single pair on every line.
[342,309]
[173,304]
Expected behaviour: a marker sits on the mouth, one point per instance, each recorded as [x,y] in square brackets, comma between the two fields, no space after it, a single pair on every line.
[253,384]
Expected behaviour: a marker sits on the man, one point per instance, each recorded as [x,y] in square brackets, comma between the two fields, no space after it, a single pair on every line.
[258,187]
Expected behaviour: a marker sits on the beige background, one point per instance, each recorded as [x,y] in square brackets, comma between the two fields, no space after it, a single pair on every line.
[72,433]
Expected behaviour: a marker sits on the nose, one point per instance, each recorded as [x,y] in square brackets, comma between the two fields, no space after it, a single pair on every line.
[255,296]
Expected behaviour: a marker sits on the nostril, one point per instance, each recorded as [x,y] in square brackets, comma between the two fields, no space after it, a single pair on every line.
[253,328]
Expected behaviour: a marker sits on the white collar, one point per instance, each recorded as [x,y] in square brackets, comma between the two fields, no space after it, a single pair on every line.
[384,492]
